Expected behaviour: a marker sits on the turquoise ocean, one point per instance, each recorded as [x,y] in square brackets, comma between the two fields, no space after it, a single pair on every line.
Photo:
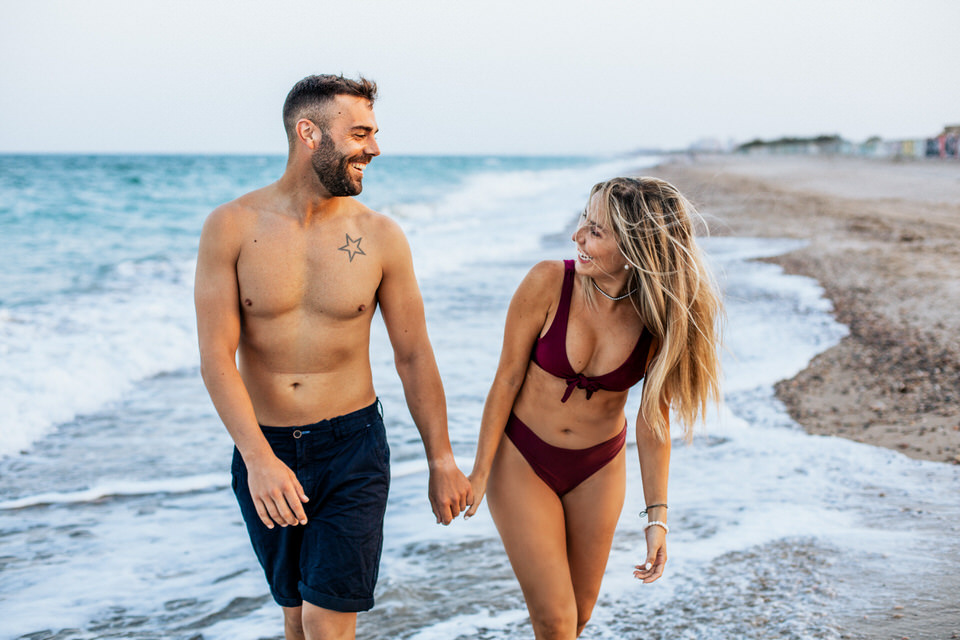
[116,515]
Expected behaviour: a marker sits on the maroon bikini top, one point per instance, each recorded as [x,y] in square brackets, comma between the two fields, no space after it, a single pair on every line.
[550,351]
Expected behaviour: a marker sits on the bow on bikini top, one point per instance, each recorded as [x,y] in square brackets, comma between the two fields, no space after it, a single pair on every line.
[550,351]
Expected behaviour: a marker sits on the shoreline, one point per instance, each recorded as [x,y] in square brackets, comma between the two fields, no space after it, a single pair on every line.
[884,243]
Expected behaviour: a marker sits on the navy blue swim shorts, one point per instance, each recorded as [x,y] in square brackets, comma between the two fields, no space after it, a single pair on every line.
[344,467]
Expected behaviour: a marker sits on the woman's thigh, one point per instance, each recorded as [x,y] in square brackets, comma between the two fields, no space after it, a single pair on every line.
[592,510]
[530,519]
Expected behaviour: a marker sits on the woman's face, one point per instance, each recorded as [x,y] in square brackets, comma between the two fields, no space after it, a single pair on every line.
[598,254]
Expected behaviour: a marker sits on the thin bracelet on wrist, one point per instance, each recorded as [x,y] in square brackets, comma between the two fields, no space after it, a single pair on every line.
[652,506]
[657,523]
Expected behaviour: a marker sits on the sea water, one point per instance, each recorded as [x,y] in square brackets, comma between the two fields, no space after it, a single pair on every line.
[116,516]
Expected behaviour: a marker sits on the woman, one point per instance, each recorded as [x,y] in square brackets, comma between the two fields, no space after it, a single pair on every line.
[637,300]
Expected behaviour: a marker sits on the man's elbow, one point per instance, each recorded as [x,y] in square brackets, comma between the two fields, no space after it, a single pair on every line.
[409,361]
[208,372]
[214,364]
[406,361]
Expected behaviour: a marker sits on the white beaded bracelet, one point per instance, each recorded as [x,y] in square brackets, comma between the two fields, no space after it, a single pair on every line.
[657,523]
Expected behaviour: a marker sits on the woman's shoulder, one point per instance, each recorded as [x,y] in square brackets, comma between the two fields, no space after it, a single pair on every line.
[545,275]
[541,284]
[548,270]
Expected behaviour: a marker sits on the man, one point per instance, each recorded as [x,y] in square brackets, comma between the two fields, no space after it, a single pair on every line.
[288,276]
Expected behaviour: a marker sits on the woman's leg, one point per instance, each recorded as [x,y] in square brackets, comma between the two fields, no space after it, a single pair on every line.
[592,510]
[529,517]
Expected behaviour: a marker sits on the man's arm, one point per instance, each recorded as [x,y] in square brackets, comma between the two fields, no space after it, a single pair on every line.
[276,492]
[402,308]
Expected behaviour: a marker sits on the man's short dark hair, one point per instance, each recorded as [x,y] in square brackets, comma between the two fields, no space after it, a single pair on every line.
[310,97]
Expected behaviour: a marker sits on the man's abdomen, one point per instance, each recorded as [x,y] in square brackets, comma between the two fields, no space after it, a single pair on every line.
[293,398]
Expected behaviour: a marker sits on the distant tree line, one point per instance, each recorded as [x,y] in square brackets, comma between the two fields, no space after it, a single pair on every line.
[820,141]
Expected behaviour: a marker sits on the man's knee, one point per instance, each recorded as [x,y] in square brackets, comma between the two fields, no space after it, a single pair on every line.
[324,624]
[293,623]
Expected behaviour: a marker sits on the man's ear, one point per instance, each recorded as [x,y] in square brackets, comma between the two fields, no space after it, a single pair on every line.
[309,133]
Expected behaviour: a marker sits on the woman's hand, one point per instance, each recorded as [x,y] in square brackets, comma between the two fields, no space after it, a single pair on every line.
[479,485]
[656,555]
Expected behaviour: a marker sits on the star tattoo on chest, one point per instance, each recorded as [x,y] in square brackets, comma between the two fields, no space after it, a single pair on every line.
[352,247]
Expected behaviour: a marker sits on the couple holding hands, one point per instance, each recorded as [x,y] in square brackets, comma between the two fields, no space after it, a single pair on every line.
[285,296]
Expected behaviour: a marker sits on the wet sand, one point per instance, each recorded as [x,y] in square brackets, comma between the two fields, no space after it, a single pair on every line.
[884,242]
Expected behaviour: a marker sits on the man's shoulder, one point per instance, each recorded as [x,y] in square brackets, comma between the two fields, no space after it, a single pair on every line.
[239,215]
[380,233]
[227,226]
[385,228]
[237,211]
[367,216]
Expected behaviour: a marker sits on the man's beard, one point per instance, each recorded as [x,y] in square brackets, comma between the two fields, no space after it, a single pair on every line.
[332,169]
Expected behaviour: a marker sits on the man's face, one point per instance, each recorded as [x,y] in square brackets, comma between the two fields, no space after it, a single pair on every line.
[347,146]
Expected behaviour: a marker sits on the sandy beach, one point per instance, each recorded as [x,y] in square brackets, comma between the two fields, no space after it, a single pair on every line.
[884,242]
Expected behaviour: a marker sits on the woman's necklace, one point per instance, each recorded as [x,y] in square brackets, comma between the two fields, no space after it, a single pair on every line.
[610,297]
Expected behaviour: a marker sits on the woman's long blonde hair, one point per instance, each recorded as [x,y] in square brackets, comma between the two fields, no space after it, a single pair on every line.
[676,295]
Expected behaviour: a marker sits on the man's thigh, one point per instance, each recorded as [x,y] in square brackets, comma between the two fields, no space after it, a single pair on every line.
[343,537]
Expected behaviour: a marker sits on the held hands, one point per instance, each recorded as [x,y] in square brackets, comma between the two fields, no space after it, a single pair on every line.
[479,486]
[276,492]
[449,491]
[656,556]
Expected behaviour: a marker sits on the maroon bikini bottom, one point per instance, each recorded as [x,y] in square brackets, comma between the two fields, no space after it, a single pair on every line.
[562,469]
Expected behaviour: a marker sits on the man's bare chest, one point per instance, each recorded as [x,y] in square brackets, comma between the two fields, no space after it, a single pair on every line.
[317,274]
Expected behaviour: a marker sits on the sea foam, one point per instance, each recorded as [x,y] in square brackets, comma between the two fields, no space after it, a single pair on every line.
[70,357]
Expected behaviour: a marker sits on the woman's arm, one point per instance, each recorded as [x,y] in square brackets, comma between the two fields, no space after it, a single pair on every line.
[654,470]
[654,457]
[526,317]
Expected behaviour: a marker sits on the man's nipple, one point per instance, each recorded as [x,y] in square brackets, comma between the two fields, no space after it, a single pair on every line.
[361,308]
[248,302]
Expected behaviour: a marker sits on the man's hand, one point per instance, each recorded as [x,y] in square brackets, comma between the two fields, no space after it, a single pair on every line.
[276,492]
[450,491]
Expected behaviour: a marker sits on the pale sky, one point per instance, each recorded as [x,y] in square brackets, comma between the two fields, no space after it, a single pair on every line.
[460,77]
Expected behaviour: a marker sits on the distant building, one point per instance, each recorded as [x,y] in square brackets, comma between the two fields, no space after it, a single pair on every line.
[947,144]
[820,145]
[944,145]
[874,147]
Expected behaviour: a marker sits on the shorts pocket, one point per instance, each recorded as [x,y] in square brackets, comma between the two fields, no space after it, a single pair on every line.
[238,469]
[380,438]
